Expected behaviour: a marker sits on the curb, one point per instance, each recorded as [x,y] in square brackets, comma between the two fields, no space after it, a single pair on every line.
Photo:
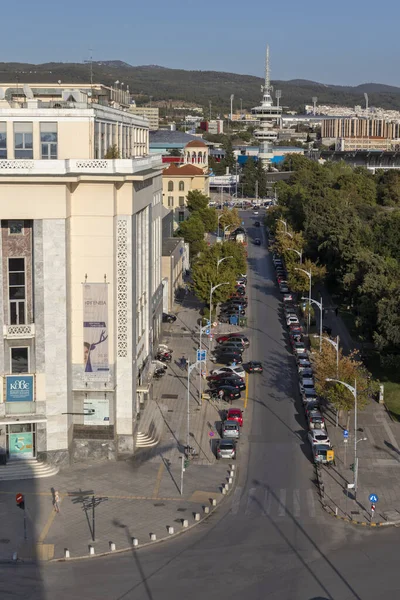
[348,519]
[151,543]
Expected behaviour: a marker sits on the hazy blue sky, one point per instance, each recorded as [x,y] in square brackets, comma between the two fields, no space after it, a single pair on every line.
[340,42]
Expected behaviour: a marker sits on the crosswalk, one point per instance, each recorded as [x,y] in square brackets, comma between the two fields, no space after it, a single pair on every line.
[281,503]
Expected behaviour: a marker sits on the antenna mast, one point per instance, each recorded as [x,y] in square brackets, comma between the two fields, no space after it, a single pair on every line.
[267,85]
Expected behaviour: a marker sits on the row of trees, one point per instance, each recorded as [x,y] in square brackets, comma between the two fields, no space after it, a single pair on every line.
[346,224]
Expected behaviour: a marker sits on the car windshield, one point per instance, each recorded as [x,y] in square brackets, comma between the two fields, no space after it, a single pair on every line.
[321,449]
[226,445]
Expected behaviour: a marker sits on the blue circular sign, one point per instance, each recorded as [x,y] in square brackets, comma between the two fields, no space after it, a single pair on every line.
[207,332]
[373,498]
[345,433]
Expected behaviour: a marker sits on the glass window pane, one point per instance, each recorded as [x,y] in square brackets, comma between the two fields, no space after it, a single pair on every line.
[21,313]
[18,140]
[13,313]
[24,154]
[3,140]
[17,278]
[44,151]
[17,292]
[16,227]
[28,140]
[19,360]
[16,264]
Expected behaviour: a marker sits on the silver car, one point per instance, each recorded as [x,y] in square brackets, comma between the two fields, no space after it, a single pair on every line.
[230,429]
[226,449]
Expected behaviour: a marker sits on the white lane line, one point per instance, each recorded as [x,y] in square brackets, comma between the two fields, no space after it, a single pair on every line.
[296,503]
[282,503]
[311,503]
[237,494]
[267,503]
[250,502]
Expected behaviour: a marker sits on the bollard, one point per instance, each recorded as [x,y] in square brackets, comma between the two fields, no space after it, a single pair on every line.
[230,480]
[336,510]
[66,553]
[196,516]
[15,556]
[153,537]
[223,491]
[213,502]
[185,523]
[170,530]
[206,509]
[112,546]
[135,542]
[233,467]
[91,550]
[231,473]
[226,486]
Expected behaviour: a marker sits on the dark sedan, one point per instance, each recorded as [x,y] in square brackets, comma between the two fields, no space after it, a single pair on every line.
[235,382]
[229,358]
[228,393]
[168,318]
[254,366]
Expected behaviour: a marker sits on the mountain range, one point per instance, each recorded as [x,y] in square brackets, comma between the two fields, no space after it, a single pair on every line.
[168,86]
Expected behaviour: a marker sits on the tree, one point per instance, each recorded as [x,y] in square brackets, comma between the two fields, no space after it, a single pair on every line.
[174,152]
[196,200]
[112,152]
[350,369]
[216,167]
[192,230]
[230,218]
[261,178]
[229,160]
[209,218]
[249,177]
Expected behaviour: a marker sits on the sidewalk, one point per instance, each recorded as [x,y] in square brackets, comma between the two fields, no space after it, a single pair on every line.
[378,455]
[138,497]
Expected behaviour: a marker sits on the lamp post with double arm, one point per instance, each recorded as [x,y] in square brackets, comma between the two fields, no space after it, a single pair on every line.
[309,275]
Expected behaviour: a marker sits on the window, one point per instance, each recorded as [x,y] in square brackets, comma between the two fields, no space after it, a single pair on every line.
[48,141]
[16,227]
[181,200]
[16,290]
[181,216]
[170,186]
[181,186]
[20,360]
[170,201]
[23,140]
[3,140]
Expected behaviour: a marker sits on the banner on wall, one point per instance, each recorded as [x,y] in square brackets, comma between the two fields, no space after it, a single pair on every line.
[96,412]
[19,388]
[95,331]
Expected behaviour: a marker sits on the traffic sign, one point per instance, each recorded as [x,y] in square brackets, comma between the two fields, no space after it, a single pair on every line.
[345,433]
[20,501]
[207,332]
[201,355]
[373,508]
[215,324]
[242,222]
[211,433]
[373,498]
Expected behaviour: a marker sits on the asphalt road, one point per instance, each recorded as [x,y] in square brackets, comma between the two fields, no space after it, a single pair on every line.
[271,539]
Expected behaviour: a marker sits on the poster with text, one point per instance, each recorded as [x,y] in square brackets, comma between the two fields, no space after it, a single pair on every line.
[96,412]
[95,331]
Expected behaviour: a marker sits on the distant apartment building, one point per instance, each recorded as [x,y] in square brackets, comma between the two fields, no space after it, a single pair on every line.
[214,126]
[360,132]
[191,174]
[152,114]
[80,278]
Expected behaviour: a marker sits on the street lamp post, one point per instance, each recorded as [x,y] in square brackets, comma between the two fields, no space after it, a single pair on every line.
[202,329]
[308,273]
[285,224]
[319,304]
[225,228]
[221,260]
[336,346]
[219,217]
[298,252]
[353,390]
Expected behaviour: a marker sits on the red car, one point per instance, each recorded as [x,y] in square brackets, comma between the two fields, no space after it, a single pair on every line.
[235,414]
[223,338]
[295,327]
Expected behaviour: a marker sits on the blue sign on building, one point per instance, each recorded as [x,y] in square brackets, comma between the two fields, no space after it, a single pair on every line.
[19,388]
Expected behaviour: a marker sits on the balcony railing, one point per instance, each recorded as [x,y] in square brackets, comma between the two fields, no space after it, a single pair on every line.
[75,166]
[19,331]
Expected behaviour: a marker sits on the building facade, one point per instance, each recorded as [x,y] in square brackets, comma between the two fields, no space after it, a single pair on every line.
[359,127]
[81,286]
[152,114]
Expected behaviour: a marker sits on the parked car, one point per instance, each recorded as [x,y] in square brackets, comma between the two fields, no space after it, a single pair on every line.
[168,318]
[309,396]
[228,358]
[303,365]
[306,384]
[235,414]
[306,373]
[253,366]
[235,382]
[229,347]
[317,436]
[232,342]
[228,393]
[239,371]
[320,453]
[230,429]
[312,406]
[226,449]
[288,297]
[291,319]
[316,420]
[296,327]
[240,336]
[299,347]
[283,288]
[255,212]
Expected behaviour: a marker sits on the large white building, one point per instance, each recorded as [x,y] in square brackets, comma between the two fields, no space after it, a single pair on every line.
[80,277]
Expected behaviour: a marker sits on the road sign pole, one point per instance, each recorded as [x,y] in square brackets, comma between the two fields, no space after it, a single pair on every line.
[25,532]
[200,386]
[182,470]
[93,520]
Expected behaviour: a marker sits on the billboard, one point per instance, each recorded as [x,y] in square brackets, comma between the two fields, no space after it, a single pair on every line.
[19,388]
[95,331]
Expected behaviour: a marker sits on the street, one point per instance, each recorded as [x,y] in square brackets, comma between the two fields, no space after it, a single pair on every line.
[271,539]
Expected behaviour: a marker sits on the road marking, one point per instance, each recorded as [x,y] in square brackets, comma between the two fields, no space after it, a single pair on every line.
[158,480]
[282,503]
[267,503]
[296,503]
[250,502]
[237,494]
[311,503]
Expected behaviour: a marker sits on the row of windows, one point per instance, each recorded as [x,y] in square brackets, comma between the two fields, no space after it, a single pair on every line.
[171,201]
[181,186]
[23,140]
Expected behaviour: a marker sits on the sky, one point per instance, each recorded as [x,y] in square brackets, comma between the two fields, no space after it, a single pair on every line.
[342,42]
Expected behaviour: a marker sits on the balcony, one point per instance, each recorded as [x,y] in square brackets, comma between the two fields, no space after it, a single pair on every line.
[15,332]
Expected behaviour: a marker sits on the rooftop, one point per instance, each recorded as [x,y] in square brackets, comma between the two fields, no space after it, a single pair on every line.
[183,170]
[164,138]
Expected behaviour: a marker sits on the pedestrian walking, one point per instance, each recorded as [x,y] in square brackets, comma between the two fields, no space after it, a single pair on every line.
[56,501]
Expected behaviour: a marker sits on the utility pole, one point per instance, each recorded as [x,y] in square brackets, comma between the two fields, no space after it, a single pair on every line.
[210,108]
